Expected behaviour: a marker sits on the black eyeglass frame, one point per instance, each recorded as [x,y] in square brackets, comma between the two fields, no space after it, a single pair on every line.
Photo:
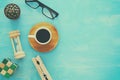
[52,12]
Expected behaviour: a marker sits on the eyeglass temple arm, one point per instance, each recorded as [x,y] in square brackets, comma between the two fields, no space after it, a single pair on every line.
[30,0]
[52,13]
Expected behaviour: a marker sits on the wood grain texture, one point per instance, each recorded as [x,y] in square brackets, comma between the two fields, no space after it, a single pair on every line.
[51,45]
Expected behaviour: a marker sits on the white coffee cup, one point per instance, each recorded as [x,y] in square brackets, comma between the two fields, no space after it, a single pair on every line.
[42,35]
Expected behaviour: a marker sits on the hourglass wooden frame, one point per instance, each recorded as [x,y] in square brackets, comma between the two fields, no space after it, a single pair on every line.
[16,44]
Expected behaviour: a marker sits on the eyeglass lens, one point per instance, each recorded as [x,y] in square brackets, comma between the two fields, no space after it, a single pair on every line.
[49,13]
[33,4]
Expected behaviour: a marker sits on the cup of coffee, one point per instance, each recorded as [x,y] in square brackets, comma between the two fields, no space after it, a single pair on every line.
[42,35]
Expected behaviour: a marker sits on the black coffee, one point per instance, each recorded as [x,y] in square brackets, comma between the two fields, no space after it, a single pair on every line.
[43,35]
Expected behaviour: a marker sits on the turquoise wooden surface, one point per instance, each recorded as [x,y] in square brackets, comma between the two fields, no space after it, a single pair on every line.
[89,45]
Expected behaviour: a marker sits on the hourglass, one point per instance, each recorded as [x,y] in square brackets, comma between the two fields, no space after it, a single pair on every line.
[16,44]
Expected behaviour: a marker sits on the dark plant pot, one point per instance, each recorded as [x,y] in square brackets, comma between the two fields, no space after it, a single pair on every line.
[12,11]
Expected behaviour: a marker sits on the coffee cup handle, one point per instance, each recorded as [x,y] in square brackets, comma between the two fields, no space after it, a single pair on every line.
[31,36]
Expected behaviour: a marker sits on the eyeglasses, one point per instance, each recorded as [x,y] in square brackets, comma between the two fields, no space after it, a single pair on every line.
[47,11]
